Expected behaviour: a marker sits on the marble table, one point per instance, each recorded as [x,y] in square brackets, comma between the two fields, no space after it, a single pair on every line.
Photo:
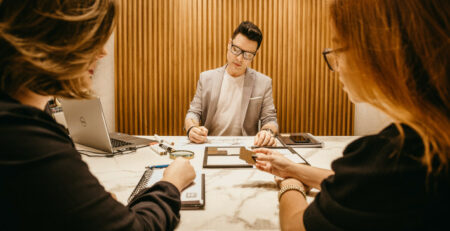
[236,199]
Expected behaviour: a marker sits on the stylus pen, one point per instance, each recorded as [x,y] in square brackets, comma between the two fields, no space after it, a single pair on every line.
[159,166]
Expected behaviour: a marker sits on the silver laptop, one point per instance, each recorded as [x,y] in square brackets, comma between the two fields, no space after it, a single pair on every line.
[86,123]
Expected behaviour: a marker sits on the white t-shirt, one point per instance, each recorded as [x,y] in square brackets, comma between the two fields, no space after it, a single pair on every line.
[227,120]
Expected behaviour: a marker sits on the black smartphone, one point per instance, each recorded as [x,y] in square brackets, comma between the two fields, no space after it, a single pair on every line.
[299,139]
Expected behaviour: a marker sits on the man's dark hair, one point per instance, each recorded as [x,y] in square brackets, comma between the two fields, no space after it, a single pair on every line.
[249,30]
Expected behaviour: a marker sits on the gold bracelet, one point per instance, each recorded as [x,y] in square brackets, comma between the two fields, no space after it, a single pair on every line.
[286,188]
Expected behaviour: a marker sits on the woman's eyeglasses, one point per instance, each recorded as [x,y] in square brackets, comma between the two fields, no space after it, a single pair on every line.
[331,58]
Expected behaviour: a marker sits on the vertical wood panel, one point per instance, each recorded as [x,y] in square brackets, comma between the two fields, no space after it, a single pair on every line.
[162,46]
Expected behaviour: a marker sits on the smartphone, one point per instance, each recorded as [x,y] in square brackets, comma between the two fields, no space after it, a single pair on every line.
[299,139]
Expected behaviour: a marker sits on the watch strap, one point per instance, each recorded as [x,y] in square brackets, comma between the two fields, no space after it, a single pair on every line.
[189,130]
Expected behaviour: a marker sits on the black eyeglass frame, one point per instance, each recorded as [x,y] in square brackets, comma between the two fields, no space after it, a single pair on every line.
[241,51]
[327,51]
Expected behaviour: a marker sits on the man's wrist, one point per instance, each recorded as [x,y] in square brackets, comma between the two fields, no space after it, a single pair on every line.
[269,130]
[189,130]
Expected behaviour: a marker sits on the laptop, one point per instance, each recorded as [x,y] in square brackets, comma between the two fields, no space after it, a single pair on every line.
[86,123]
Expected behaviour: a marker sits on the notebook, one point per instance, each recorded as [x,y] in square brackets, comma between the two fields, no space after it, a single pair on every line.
[192,197]
[86,123]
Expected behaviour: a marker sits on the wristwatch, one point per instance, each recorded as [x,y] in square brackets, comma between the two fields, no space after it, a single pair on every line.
[189,129]
[288,187]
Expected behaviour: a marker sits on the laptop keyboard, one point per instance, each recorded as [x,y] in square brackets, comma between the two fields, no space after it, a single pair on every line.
[119,143]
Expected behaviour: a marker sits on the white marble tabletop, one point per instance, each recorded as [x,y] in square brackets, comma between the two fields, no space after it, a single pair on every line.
[236,199]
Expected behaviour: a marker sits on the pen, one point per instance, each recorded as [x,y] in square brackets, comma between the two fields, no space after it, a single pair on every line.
[159,166]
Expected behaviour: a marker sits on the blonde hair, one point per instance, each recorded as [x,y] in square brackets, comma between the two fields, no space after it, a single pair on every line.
[47,46]
[400,50]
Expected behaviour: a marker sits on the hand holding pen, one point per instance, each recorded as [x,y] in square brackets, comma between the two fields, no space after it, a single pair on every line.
[180,173]
[198,134]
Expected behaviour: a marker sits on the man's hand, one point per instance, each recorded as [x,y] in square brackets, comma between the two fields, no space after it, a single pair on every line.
[198,134]
[265,138]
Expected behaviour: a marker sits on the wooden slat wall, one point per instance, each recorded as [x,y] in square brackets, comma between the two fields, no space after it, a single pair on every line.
[163,45]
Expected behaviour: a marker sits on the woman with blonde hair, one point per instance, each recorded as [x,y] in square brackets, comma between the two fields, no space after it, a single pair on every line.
[49,48]
[392,54]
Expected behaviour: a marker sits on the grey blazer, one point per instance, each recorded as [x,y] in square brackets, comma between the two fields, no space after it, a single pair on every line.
[257,101]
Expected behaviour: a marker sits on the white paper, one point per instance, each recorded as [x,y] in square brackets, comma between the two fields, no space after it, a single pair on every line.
[230,141]
[194,191]
[225,160]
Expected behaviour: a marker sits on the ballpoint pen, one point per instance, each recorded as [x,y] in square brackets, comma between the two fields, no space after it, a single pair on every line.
[159,166]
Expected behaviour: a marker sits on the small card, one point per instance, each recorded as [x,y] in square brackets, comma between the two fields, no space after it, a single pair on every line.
[247,155]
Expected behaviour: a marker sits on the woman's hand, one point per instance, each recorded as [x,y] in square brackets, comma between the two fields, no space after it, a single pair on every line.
[273,162]
[180,173]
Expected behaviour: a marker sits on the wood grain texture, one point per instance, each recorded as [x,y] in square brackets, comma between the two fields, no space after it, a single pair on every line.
[162,46]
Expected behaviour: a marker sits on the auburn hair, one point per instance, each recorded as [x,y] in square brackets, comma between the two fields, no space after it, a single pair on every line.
[400,50]
[47,46]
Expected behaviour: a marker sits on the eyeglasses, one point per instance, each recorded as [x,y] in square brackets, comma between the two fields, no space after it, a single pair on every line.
[235,50]
[331,58]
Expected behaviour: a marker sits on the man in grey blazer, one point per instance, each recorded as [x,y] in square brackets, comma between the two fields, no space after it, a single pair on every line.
[234,100]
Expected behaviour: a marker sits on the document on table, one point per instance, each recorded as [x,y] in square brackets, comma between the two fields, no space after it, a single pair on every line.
[225,160]
[192,197]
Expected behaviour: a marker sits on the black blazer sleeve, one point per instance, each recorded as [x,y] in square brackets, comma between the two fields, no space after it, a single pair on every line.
[45,185]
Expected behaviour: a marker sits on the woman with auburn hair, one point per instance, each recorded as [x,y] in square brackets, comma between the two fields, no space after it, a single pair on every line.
[393,55]
[49,48]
